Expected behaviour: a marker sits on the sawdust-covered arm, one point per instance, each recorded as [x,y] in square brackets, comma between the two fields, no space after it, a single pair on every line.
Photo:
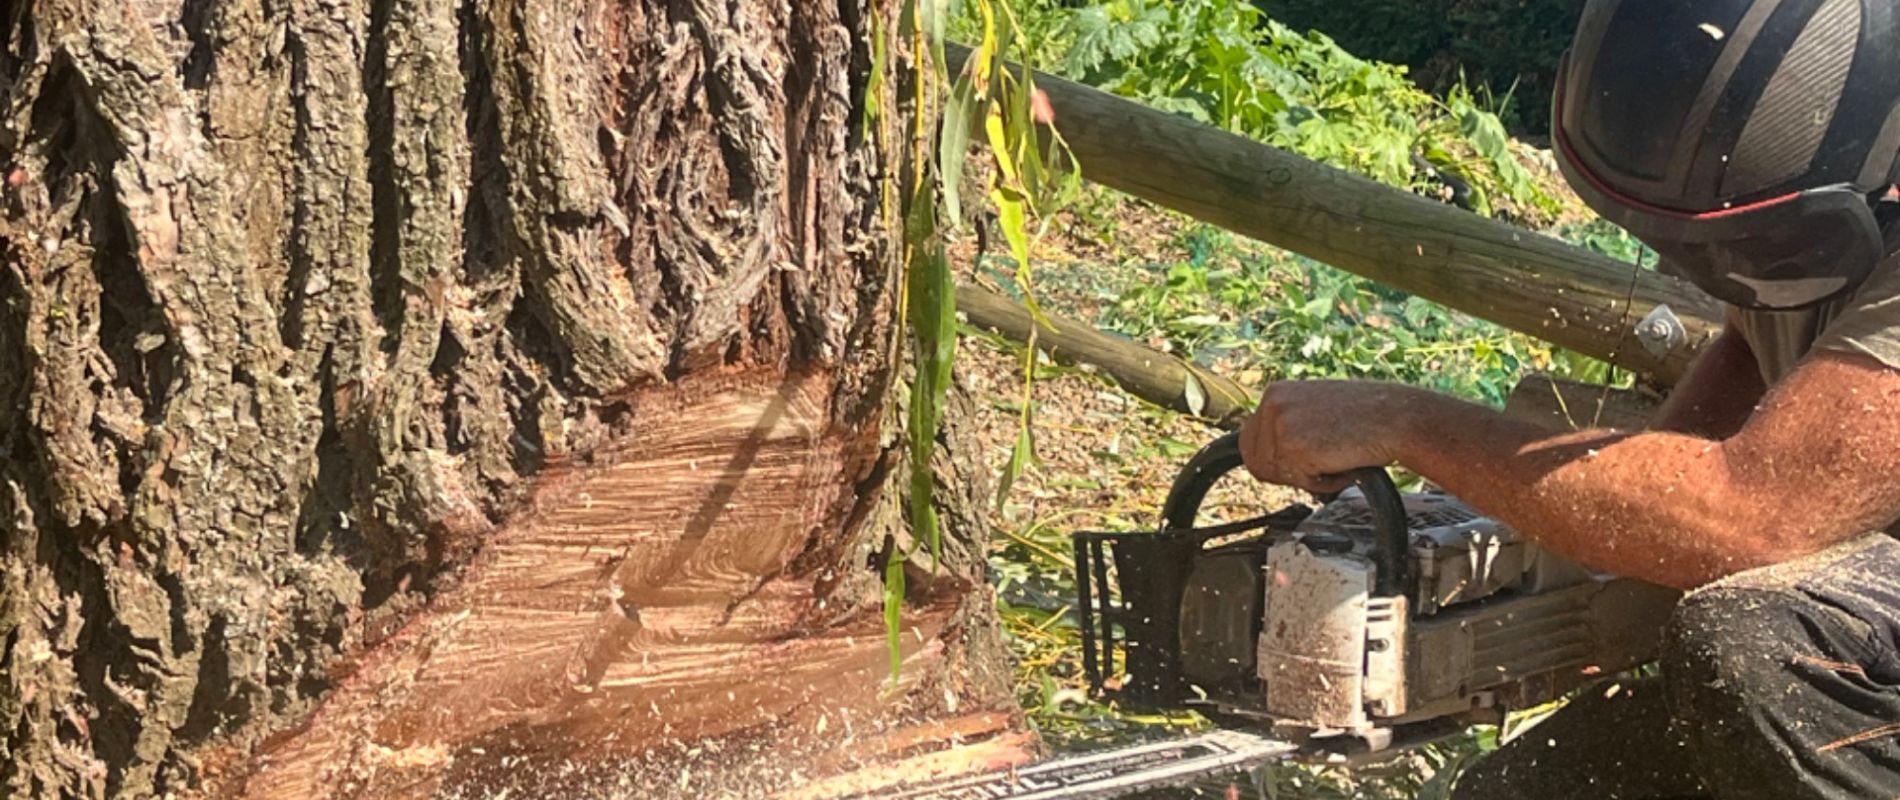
[1811,467]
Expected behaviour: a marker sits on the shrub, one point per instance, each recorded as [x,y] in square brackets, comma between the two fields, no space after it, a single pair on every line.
[1225,63]
[1510,47]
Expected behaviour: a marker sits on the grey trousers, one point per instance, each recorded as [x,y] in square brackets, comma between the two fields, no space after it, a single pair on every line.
[1779,683]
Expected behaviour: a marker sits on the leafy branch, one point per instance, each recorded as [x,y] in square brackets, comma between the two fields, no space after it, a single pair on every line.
[1028,180]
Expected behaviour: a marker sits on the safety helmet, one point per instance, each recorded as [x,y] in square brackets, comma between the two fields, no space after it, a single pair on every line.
[1747,141]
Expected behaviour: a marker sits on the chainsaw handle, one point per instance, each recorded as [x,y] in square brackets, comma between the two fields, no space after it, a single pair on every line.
[1192,483]
[1395,536]
[1221,456]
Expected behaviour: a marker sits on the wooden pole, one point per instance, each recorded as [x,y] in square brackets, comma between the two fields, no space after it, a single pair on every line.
[1142,371]
[1514,277]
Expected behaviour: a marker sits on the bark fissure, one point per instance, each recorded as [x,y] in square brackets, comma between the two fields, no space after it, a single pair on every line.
[207,477]
[557,192]
[48,614]
[385,192]
[426,508]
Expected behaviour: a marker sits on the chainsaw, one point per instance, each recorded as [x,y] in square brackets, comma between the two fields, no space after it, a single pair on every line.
[1378,621]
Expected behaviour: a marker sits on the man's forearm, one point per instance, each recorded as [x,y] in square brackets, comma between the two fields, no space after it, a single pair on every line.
[1813,465]
[1659,506]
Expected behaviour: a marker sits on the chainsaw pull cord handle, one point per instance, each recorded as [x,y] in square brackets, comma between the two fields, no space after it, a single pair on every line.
[1221,456]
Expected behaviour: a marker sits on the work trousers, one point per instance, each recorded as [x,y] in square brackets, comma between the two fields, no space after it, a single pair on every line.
[1781,683]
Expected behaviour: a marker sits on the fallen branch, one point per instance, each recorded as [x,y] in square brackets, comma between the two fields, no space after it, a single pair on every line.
[1164,379]
[1144,372]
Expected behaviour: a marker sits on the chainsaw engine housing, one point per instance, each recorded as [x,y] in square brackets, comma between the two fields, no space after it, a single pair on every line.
[1294,622]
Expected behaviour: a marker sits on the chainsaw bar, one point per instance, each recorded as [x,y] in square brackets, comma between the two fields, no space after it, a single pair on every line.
[1111,773]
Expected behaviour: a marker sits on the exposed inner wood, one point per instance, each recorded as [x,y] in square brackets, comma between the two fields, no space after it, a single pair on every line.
[643,599]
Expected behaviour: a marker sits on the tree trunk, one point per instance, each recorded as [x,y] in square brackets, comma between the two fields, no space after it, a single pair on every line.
[395,393]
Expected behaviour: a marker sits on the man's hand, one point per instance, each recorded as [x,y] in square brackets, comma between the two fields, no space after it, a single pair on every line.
[1309,434]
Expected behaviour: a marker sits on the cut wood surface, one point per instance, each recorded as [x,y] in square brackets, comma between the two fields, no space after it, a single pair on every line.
[1522,280]
[645,599]
[1149,374]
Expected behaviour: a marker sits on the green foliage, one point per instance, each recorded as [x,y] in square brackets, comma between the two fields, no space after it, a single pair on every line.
[1222,62]
[1244,304]
[1511,45]
[1244,308]
[1603,237]
[1027,183]
[931,301]
[929,309]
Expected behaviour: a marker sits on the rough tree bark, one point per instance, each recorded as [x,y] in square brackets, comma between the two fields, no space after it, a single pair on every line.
[396,395]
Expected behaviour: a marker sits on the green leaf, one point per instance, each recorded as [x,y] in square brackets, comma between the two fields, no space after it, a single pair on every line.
[894,612]
[1013,215]
[931,298]
[1094,37]
[933,16]
[998,134]
[1192,109]
[953,146]
[1485,132]
[1019,458]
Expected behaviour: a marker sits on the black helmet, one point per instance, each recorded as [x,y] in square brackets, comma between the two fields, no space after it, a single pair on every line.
[1747,141]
